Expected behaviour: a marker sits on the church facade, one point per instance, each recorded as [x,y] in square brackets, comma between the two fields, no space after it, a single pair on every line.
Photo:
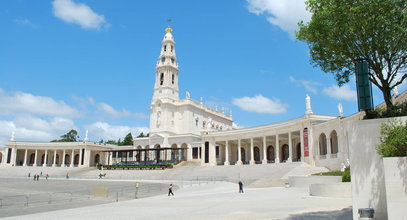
[189,131]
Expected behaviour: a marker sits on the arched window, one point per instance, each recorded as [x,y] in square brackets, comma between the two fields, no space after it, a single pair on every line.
[165,47]
[161,78]
[334,142]
[285,152]
[322,144]
[172,48]
[270,153]
[256,154]
[173,78]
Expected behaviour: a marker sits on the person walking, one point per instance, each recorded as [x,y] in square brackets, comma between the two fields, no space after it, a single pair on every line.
[170,190]
[46,176]
[35,177]
[240,187]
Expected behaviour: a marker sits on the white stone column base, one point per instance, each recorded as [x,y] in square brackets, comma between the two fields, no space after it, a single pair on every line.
[226,163]
[252,162]
[277,160]
[34,165]
[44,165]
[264,161]
[239,163]
[24,164]
[54,165]
[62,165]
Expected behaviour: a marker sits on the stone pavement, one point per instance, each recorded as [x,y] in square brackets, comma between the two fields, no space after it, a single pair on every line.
[214,201]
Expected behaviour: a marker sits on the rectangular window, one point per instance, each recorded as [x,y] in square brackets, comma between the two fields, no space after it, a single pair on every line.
[162,79]
[173,78]
[165,47]
[172,48]
[217,151]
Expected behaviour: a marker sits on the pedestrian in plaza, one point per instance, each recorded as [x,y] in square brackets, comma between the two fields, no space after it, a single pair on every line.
[29,175]
[38,177]
[240,187]
[46,176]
[170,190]
[41,173]
[35,177]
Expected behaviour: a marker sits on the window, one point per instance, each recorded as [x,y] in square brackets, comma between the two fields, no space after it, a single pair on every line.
[173,77]
[196,122]
[172,60]
[203,124]
[163,59]
[162,79]
[217,151]
[172,48]
[195,153]
[165,47]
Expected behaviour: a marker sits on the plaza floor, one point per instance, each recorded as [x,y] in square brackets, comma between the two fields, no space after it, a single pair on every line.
[214,201]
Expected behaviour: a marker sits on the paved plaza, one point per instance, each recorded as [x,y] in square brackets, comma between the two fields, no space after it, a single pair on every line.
[216,200]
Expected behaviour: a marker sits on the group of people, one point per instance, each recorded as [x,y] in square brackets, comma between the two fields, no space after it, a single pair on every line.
[37,177]
[171,193]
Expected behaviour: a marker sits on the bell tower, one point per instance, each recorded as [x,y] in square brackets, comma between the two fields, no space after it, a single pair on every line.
[166,70]
[163,109]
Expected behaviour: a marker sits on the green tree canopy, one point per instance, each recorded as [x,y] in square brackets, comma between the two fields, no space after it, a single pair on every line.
[128,140]
[68,137]
[343,31]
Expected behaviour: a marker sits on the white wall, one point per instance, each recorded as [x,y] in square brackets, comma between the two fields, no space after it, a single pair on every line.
[367,171]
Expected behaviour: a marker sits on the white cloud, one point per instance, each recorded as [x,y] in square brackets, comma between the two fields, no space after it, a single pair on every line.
[78,13]
[25,21]
[105,131]
[283,13]
[260,104]
[28,103]
[108,110]
[310,86]
[29,128]
[341,93]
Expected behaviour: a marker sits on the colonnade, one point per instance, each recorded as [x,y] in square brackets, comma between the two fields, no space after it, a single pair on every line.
[47,157]
[270,147]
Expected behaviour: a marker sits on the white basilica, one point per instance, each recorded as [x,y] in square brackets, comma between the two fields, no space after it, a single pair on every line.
[186,130]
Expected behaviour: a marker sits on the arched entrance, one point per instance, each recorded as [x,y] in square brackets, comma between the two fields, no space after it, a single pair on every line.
[76,159]
[298,149]
[1,157]
[32,158]
[97,159]
[57,159]
[322,144]
[334,142]
[67,159]
[184,148]
[270,153]
[256,154]
[243,155]
[285,152]
[42,159]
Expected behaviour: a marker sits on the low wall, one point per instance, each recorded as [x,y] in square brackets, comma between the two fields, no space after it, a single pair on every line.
[339,190]
[306,181]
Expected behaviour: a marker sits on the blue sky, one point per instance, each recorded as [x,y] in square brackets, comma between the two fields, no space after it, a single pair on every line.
[90,64]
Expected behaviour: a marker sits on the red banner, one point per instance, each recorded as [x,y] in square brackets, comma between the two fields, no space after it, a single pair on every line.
[306,149]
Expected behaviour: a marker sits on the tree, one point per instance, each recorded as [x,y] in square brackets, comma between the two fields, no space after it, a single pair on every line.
[111,142]
[128,140]
[141,135]
[342,32]
[68,137]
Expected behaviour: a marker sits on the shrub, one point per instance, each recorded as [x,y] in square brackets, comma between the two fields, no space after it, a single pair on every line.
[396,110]
[346,175]
[393,139]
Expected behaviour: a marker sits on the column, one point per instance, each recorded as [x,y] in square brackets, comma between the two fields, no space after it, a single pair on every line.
[5,155]
[35,158]
[212,153]
[302,144]
[54,164]
[25,158]
[80,158]
[227,153]
[252,152]
[328,146]
[290,148]
[72,157]
[63,159]
[264,151]
[239,153]
[45,158]
[189,152]
[87,157]
[13,156]
[277,150]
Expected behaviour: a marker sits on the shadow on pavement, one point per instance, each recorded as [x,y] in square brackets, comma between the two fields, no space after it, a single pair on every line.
[344,214]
